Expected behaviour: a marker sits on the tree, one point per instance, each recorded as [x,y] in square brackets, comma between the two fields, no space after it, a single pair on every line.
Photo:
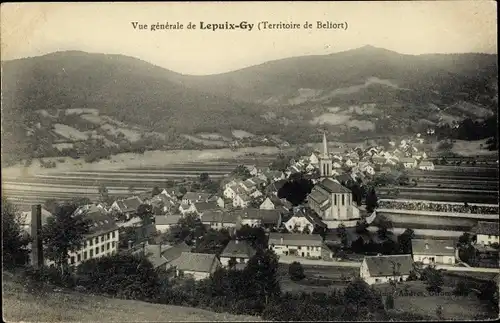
[296,271]
[131,189]
[241,172]
[124,276]
[361,226]
[342,232]
[80,201]
[14,241]
[156,190]
[296,189]
[433,279]
[182,190]
[256,236]
[189,229]
[64,232]
[262,271]
[103,194]
[404,240]
[464,239]
[50,205]
[461,289]
[383,225]
[145,212]
[280,163]
[214,242]
[389,302]
[359,295]
[204,177]
[371,200]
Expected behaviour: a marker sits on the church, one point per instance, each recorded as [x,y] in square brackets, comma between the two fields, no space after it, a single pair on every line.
[329,199]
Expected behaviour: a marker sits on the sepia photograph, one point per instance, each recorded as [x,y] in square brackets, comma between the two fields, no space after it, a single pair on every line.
[250,161]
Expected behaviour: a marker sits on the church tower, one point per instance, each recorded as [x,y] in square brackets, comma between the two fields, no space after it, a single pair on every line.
[325,162]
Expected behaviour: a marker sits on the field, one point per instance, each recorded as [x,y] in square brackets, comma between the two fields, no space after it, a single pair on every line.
[68,181]
[450,184]
[22,306]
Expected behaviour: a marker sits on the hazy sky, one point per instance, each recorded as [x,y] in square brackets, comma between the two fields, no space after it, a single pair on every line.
[406,27]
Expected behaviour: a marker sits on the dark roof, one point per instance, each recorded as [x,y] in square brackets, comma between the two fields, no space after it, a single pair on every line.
[167,219]
[433,247]
[384,265]
[344,178]
[266,216]
[100,223]
[318,196]
[313,219]
[196,196]
[199,262]
[407,160]
[333,187]
[238,249]
[487,228]
[218,216]
[295,239]
[206,206]
[129,205]
[276,186]
[175,251]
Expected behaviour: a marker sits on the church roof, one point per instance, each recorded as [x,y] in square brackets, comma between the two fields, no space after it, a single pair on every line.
[332,186]
[318,196]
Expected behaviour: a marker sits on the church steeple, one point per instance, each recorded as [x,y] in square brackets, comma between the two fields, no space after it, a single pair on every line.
[325,146]
[325,162]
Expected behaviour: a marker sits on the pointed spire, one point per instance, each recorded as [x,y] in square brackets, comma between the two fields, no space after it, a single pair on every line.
[325,145]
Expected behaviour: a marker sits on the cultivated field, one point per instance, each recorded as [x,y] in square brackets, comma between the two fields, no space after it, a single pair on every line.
[22,306]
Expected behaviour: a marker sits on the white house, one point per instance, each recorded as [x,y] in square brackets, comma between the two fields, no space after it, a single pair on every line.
[336,165]
[195,197]
[487,233]
[164,222]
[409,162]
[257,217]
[350,163]
[428,251]
[267,204]
[301,221]
[239,251]
[426,165]
[231,190]
[241,200]
[296,244]
[366,168]
[127,206]
[219,220]
[382,269]
[256,194]
[197,265]
[313,159]
[187,208]
[252,169]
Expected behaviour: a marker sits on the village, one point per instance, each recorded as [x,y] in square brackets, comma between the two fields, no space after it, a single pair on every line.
[334,225]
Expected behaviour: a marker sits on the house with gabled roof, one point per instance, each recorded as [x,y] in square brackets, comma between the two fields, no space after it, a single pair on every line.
[267,204]
[296,244]
[257,217]
[274,187]
[487,233]
[313,159]
[127,206]
[239,250]
[429,251]
[241,200]
[426,165]
[195,197]
[201,207]
[382,269]
[408,162]
[302,222]
[163,223]
[185,208]
[197,265]
[219,219]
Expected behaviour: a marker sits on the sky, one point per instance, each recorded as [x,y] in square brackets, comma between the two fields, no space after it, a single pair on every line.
[406,27]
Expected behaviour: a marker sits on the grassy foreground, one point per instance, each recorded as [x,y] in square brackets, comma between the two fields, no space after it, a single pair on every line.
[19,305]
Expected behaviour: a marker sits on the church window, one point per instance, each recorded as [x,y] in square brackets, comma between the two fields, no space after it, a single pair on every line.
[335,199]
[343,199]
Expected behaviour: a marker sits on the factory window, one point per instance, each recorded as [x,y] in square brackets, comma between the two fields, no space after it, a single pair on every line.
[107,246]
[102,248]
[91,253]
[108,235]
[102,238]
[90,242]
[96,240]
[78,258]
[85,255]
[72,259]
[113,234]
[96,250]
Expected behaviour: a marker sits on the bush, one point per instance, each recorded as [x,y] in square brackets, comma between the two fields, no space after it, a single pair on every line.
[389,302]
[296,271]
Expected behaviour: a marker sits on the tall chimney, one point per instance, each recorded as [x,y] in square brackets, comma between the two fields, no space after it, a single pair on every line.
[281,240]
[143,245]
[36,245]
[426,246]
[159,251]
